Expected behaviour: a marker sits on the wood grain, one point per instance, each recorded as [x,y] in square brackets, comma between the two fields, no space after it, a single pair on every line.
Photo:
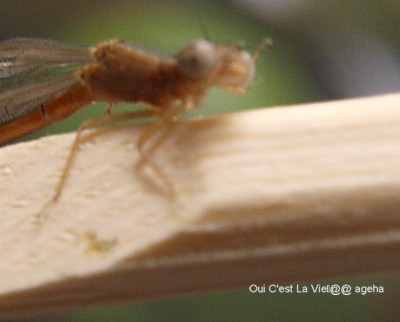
[286,194]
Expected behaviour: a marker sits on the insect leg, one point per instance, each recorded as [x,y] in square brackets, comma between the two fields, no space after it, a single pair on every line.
[169,116]
[96,122]
[109,109]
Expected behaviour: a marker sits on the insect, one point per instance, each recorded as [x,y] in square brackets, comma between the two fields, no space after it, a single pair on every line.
[43,81]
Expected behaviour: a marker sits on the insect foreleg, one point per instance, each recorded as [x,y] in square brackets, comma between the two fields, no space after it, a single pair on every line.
[167,118]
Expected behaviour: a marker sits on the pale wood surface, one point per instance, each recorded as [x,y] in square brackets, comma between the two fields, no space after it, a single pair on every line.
[273,195]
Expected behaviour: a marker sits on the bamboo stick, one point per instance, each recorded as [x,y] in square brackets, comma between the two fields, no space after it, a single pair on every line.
[276,195]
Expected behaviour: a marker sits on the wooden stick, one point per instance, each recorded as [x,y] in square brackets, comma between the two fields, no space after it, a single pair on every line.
[276,195]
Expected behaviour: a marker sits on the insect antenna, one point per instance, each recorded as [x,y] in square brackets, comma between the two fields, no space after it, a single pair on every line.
[265,43]
[203,28]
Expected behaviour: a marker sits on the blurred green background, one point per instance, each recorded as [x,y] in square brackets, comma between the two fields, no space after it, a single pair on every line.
[322,50]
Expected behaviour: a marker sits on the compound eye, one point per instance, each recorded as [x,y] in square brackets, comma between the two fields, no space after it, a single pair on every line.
[197,59]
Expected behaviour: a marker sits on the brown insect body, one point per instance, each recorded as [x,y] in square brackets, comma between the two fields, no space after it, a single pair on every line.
[113,71]
[61,106]
[125,73]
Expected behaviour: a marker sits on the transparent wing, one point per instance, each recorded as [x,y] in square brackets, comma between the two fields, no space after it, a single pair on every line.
[32,71]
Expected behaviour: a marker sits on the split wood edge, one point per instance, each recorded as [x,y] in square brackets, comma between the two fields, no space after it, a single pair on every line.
[279,195]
